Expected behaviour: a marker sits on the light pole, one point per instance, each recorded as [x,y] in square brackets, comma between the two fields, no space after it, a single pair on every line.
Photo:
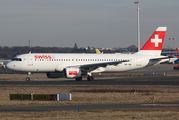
[173,42]
[169,42]
[138,26]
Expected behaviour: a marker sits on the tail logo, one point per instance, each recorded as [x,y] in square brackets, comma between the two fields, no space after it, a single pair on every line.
[156,41]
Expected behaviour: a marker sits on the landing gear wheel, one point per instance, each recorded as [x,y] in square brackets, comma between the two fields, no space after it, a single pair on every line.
[28,79]
[79,79]
[28,76]
[90,78]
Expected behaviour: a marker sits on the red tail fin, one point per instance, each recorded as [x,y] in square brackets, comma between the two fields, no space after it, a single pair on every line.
[155,42]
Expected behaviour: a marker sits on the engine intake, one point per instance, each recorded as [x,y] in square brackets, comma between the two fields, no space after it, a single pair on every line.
[72,72]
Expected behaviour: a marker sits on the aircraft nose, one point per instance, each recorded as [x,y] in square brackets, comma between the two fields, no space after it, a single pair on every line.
[8,65]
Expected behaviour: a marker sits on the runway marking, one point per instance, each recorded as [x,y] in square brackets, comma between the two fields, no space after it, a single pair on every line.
[163,105]
[141,80]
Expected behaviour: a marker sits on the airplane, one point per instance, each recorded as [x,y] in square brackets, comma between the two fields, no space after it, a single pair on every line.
[177,55]
[75,65]
[97,51]
[2,64]
[172,60]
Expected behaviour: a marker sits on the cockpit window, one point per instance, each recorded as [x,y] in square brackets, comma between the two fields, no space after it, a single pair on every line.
[16,59]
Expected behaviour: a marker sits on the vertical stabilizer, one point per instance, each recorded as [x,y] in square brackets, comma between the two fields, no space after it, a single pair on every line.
[155,43]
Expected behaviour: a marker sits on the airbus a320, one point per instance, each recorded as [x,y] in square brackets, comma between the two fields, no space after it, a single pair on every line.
[74,66]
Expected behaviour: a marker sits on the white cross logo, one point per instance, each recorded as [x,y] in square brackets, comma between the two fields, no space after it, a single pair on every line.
[156,40]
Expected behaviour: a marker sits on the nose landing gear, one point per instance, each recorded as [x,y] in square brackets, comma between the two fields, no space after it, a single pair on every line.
[28,76]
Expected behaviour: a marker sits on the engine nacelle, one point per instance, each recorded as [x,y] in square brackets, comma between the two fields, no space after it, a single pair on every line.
[54,74]
[72,72]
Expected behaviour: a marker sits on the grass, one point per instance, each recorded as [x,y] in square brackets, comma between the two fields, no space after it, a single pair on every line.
[91,94]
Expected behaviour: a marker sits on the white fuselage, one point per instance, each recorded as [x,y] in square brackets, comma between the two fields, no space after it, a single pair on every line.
[51,62]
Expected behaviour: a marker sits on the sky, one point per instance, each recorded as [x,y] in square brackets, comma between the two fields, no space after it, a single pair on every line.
[94,23]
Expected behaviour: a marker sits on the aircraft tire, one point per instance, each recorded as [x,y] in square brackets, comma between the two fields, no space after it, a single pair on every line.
[79,79]
[90,78]
[28,79]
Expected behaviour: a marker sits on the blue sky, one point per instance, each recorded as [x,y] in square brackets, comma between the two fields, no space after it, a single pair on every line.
[94,23]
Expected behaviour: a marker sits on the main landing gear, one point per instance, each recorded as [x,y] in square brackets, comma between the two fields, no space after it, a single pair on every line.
[28,76]
[89,78]
[79,79]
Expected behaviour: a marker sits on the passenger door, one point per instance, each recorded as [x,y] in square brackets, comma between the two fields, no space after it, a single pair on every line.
[30,60]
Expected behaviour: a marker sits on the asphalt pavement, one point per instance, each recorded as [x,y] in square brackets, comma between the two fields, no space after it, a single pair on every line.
[87,107]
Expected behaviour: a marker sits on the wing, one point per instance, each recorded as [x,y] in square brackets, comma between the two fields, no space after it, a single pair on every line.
[91,67]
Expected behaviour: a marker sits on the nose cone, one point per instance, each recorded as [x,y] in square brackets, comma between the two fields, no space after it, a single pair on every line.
[9,65]
[14,66]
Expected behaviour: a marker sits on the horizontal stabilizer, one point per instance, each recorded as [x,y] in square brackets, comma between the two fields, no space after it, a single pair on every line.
[159,58]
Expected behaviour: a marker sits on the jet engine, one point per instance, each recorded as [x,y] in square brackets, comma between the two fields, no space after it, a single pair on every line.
[72,72]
